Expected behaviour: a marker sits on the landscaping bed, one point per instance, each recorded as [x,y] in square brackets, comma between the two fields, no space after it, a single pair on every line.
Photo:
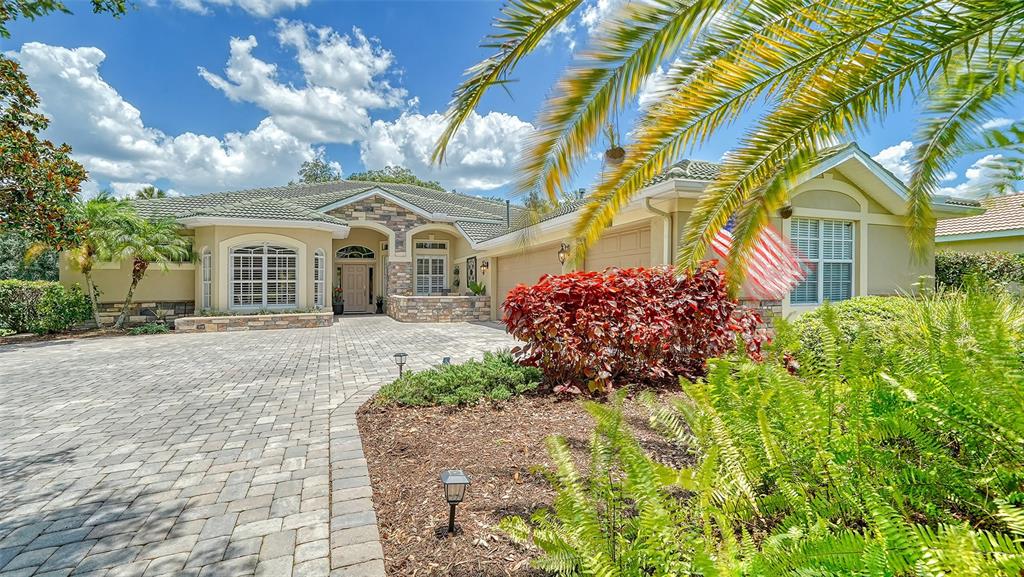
[501,446]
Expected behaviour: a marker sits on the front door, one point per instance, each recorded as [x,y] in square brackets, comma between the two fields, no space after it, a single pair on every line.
[355,283]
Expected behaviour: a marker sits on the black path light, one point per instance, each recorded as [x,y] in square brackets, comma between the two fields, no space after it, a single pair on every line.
[455,482]
[400,361]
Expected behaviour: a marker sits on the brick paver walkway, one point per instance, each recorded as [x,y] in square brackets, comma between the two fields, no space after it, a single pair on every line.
[201,454]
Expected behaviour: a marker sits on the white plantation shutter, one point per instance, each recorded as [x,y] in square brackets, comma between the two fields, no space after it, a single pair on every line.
[264,276]
[826,251]
[207,265]
[431,275]
[319,278]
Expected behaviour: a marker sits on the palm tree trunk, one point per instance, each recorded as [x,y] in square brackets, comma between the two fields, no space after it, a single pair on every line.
[92,297]
[138,271]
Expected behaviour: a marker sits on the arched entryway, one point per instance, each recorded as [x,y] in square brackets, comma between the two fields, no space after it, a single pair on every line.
[359,264]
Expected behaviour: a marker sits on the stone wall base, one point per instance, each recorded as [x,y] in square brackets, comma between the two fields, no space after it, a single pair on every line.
[769,310]
[439,309]
[147,312]
[253,322]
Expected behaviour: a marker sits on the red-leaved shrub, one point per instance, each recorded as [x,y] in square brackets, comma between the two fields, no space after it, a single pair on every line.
[646,326]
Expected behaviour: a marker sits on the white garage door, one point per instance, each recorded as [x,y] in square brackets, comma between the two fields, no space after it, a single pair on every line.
[626,249]
[526,268]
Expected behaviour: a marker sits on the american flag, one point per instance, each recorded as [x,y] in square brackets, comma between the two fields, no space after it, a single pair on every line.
[773,266]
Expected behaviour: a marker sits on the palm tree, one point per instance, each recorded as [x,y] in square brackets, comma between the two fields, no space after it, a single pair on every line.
[101,227]
[150,192]
[812,72]
[145,242]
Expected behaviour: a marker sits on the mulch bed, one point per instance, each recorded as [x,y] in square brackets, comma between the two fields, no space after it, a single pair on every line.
[502,448]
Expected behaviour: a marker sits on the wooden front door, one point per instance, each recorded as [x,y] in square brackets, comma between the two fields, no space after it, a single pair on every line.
[355,283]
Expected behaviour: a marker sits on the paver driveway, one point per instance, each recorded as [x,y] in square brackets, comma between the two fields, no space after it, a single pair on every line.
[201,454]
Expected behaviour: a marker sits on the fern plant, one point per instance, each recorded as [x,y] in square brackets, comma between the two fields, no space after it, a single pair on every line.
[909,464]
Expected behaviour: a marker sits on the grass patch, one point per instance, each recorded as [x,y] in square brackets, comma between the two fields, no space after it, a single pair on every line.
[497,377]
[149,329]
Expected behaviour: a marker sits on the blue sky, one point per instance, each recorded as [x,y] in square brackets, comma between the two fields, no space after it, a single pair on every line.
[204,95]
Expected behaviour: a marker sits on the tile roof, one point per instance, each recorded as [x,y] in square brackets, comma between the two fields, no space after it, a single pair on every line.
[268,208]
[480,218]
[1002,213]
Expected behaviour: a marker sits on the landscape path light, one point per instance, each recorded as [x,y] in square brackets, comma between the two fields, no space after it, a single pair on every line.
[400,361]
[455,482]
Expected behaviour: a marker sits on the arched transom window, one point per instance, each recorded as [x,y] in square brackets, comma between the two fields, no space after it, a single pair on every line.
[354,252]
[264,276]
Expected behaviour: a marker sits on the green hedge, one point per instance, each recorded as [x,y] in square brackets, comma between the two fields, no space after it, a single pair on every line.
[41,306]
[497,377]
[871,314]
[952,268]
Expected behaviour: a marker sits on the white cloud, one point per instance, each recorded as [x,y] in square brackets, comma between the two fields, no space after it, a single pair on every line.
[996,123]
[343,82]
[127,189]
[482,156]
[262,8]
[980,179]
[597,11]
[894,158]
[110,138]
[654,85]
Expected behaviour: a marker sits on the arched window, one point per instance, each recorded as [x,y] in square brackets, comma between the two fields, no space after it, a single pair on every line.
[264,276]
[207,266]
[354,252]
[319,278]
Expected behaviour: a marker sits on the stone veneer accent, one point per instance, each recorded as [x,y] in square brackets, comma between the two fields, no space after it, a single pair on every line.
[147,312]
[376,209]
[439,309]
[253,322]
[400,278]
[769,310]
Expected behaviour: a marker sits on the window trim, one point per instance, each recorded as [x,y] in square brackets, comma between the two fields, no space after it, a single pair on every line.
[821,261]
[295,255]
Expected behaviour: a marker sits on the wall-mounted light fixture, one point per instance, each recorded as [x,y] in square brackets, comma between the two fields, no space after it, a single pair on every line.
[484,265]
[786,211]
[563,253]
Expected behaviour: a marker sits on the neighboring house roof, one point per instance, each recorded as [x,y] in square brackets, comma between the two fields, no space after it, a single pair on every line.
[1002,214]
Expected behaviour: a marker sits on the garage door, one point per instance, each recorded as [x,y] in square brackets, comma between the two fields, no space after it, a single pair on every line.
[626,249]
[526,268]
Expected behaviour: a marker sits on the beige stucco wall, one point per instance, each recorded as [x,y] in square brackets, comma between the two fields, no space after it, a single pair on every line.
[1013,244]
[892,265]
[113,279]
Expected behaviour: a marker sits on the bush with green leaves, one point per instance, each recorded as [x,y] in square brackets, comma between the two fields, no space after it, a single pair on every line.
[149,329]
[908,466]
[953,269]
[41,306]
[497,377]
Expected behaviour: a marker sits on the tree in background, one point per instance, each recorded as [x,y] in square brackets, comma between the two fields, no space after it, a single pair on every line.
[318,170]
[38,180]
[145,242]
[150,192]
[806,75]
[397,175]
[14,248]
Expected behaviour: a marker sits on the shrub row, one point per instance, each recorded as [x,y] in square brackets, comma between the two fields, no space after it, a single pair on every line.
[497,377]
[953,269]
[41,306]
[598,330]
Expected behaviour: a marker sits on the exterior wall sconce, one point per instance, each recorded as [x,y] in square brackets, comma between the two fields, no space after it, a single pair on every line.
[400,361]
[484,265]
[563,253]
[455,482]
[786,211]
